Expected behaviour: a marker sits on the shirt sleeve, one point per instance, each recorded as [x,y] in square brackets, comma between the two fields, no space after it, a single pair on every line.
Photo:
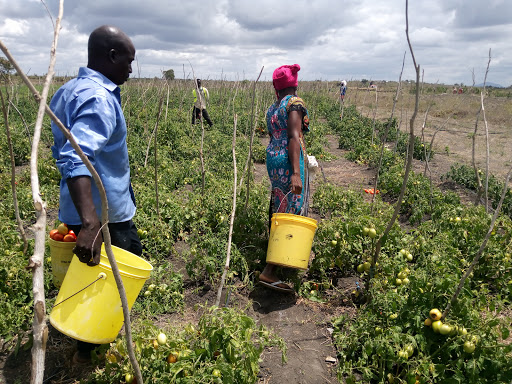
[297,104]
[91,125]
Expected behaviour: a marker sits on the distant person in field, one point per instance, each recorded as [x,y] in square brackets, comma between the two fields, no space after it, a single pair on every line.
[287,121]
[90,107]
[343,89]
[200,101]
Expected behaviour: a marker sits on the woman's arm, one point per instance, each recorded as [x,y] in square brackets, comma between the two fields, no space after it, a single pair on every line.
[294,129]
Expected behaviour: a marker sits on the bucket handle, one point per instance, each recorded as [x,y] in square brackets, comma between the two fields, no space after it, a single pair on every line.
[101,275]
[284,198]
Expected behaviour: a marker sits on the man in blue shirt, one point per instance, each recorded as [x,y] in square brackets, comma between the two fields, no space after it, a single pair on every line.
[90,107]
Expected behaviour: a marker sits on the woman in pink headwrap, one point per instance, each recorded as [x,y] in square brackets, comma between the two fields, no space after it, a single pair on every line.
[287,121]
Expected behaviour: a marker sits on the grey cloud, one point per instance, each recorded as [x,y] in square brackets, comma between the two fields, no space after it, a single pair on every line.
[21,9]
[330,39]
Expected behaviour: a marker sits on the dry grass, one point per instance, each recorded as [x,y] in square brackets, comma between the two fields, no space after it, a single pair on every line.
[454,114]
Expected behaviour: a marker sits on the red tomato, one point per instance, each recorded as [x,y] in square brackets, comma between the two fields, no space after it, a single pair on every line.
[71,232]
[58,237]
[52,233]
[69,238]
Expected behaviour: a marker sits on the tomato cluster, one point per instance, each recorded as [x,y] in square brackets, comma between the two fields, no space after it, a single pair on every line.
[63,233]
[371,191]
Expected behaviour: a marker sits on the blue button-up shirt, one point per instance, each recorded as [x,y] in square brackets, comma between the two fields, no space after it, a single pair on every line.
[90,107]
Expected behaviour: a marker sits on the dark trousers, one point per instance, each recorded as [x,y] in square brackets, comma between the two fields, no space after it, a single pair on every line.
[196,114]
[123,235]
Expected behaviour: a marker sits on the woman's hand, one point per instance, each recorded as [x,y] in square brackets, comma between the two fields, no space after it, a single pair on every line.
[296,184]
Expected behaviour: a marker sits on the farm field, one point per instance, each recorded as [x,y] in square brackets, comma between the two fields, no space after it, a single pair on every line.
[341,325]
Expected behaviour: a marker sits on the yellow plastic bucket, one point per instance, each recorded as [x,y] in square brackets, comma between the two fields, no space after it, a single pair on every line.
[61,253]
[88,306]
[290,241]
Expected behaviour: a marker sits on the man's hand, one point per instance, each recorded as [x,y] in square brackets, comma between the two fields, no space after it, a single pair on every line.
[85,250]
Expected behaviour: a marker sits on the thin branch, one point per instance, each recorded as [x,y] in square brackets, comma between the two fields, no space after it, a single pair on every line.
[487,151]
[480,188]
[253,127]
[409,156]
[232,220]
[13,175]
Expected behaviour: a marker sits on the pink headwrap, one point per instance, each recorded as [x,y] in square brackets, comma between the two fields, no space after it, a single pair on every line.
[285,76]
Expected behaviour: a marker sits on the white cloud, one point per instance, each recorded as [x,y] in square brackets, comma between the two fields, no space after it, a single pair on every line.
[13,28]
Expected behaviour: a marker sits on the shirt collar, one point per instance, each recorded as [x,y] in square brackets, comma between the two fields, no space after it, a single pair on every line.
[98,78]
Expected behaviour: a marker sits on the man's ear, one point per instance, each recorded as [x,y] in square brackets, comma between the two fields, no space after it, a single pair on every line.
[112,55]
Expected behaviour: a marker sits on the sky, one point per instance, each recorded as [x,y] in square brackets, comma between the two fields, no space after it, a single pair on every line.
[234,39]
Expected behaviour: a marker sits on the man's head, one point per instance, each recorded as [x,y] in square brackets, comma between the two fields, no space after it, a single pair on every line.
[198,83]
[111,52]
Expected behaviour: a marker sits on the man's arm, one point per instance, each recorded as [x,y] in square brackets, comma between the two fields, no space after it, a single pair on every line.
[80,191]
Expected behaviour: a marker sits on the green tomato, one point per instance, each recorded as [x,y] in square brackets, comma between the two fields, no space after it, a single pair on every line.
[161,338]
[398,282]
[445,329]
[360,268]
[409,257]
[366,266]
[409,350]
[366,230]
[147,293]
[403,252]
[393,316]
[378,330]
[436,325]
[151,287]
[406,281]
[372,233]
[216,373]
[469,347]
[334,242]
[128,378]
[401,275]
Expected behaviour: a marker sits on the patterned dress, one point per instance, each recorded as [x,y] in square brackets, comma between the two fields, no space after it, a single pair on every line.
[278,164]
